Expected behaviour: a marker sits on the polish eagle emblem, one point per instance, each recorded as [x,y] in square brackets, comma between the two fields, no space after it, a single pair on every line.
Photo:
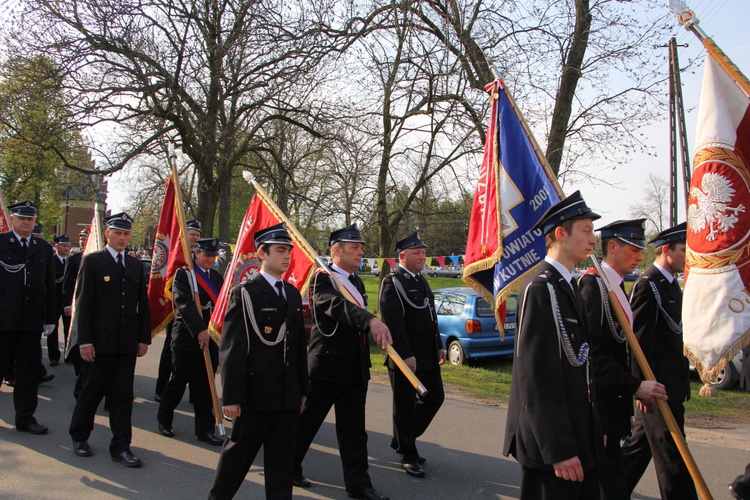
[711,208]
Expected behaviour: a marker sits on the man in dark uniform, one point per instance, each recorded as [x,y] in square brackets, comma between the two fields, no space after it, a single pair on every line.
[62,250]
[194,230]
[339,362]
[27,309]
[623,242]
[263,372]
[552,428]
[113,325]
[656,300]
[189,339]
[407,306]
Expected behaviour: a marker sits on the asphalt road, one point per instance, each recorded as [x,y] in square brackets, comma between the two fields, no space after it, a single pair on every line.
[462,447]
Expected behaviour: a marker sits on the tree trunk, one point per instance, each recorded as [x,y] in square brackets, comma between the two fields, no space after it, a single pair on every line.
[225,205]
[208,198]
[570,75]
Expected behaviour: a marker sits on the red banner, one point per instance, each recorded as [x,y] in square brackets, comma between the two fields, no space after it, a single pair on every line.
[4,221]
[245,261]
[168,256]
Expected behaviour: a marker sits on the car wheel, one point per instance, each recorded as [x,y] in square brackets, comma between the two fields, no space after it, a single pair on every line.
[727,378]
[456,354]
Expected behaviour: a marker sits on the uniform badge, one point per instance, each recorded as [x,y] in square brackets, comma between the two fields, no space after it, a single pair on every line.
[267,330]
[106,279]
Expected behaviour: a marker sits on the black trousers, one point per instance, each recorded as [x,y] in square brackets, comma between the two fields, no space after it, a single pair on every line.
[611,472]
[53,341]
[110,374]
[21,353]
[411,414]
[165,362]
[651,436]
[188,368]
[544,485]
[275,431]
[66,330]
[349,402]
[741,484]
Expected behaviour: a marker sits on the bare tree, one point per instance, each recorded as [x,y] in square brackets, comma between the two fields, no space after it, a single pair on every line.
[208,75]
[654,205]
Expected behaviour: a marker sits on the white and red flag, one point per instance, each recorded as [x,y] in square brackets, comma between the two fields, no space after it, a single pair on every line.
[716,302]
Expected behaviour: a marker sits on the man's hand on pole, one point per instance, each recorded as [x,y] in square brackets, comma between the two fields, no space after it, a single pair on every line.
[380,333]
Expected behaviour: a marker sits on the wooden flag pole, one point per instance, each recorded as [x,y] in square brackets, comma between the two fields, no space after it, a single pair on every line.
[313,255]
[635,348]
[188,254]
[687,18]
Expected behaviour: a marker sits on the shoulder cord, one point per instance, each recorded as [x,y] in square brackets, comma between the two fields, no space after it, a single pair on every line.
[401,294]
[247,309]
[14,268]
[313,308]
[673,325]
[617,332]
[573,358]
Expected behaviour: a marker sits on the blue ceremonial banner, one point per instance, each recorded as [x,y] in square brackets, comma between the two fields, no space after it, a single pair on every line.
[515,188]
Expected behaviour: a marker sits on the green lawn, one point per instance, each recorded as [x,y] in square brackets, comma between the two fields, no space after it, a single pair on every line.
[489,380]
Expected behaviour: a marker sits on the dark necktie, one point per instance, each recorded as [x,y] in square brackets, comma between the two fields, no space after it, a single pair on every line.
[280,288]
[576,292]
[676,286]
[353,280]
[24,245]
[119,260]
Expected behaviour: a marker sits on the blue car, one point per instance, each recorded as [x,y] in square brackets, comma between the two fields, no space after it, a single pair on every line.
[467,325]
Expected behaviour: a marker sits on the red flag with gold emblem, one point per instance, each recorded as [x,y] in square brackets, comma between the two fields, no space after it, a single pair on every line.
[716,302]
[168,256]
[245,261]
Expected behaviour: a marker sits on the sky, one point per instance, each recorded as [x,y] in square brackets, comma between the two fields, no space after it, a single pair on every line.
[724,21]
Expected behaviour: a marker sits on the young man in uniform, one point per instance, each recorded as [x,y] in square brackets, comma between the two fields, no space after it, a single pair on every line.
[114,328]
[552,428]
[263,372]
[62,251]
[194,230]
[189,339]
[407,306]
[339,362]
[656,301]
[623,242]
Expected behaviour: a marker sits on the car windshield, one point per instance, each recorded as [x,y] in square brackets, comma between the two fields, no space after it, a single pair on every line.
[484,309]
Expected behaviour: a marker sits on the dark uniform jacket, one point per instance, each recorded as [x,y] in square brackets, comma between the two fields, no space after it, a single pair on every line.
[72,265]
[258,376]
[615,384]
[59,280]
[339,350]
[551,414]
[112,310]
[414,331]
[27,284]
[188,322]
[661,345]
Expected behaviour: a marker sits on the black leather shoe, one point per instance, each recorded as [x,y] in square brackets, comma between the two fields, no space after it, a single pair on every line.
[166,430]
[35,428]
[127,459]
[54,362]
[210,438]
[82,448]
[46,378]
[368,494]
[422,460]
[413,468]
[10,382]
[301,482]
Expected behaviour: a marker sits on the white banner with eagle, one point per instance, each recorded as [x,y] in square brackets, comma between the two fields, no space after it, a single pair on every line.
[716,302]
